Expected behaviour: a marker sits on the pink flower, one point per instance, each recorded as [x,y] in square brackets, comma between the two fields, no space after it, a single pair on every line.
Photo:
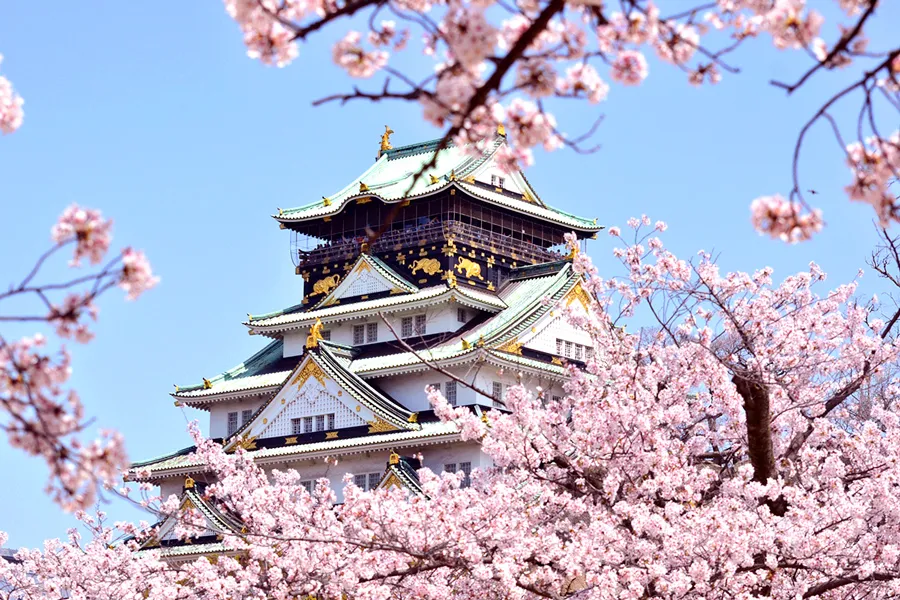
[583,79]
[778,218]
[629,68]
[10,106]
[348,55]
[615,231]
[67,317]
[137,276]
[468,34]
[91,232]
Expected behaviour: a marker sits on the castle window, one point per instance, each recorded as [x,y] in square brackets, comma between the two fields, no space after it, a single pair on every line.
[569,349]
[450,392]
[326,335]
[371,332]
[374,478]
[296,426]
[557,398]
[436,386]
[559,347]
[420,325]
[232,422]
[330,420]
[307,424]
[359,334]
[497,181]
[461,315]
[360,481]
[579,352]
[450,468]
[406,327]
[320,422]
[466,468]
[497,393]
[367,481]
[307,485]
[245,415]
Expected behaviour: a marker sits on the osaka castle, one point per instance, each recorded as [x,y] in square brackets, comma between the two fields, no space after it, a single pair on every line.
[454,275]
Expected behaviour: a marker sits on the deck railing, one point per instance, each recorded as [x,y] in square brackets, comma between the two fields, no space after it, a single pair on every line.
[461,234]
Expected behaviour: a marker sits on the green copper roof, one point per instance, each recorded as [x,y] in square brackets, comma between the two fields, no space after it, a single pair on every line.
[393,178]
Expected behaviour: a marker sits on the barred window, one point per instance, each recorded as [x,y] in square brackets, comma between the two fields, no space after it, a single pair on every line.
[232,422]
[450,468]
[461,315]
[420,325]
[320,422]
[436,386]
[588,353]
[307,424]
[296,426]
[245,415]
[374,478]
[450,392]
[406,327]
[307,485]
[568,351]
[559,347]
[557,398]
[466,468]
[497,392]
[360,481]
[326,334]
[371,332]
[497,181]
[330,418]
[359,334]
[579,352]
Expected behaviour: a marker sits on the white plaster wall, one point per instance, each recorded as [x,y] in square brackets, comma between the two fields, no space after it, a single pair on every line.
[218,414]
[548,329]
[171,486]
[439,318]
[409,389]
[311,400]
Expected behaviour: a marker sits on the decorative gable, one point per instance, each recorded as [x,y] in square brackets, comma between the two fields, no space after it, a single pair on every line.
[322,389]
[368,275]
[555,325]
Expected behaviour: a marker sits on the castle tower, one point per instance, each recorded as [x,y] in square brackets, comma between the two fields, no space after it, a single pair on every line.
[414,275]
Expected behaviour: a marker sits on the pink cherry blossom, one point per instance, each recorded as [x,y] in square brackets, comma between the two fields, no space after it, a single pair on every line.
[348,54]
[69,317]
[137,276]
[10,106]
[778,218]
[629,68]
[88,229]
[583,79]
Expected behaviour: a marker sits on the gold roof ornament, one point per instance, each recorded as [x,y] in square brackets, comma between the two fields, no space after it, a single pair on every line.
[470,179]
[363,187]
[480,342]
[386,138]
[413,418]
[188,483]
[466,345]
[326,201]
[434,179]
[501,130]
[573,252]
[207,384]
[315,334]
[453,175]
[280,211]
[394,458]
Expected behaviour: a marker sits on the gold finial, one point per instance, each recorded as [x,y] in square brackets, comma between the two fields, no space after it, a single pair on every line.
[413,418]
[466,345]
[206,383]
[280,211]
[315,334]
[573,252]
[501,130]
[434,179]
[364,248]
[176,386]
[249,317]
[326,201]
[470,179]
[453,175]
[480,342]
[394,459]
[363,187]
[386,138]
[484,418]
[188,483]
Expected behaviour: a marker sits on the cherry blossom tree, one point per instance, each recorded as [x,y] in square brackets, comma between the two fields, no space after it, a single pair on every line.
[10,106]
[493,62]
[719,456]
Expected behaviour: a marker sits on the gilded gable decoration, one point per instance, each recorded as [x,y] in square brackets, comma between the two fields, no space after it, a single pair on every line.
[310,369]
[471,268]
[580,294]
[325,285]
[315,334]
[430,266]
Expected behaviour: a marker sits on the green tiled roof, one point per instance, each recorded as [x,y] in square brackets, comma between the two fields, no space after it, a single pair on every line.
[393,178]
[260,370]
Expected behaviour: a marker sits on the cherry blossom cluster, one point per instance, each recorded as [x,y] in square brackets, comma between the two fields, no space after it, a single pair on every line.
[41,415]
[779,218]
[875,164]
[10,106]
[717,455]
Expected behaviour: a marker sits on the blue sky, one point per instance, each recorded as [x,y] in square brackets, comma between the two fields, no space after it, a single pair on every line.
[152,113]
